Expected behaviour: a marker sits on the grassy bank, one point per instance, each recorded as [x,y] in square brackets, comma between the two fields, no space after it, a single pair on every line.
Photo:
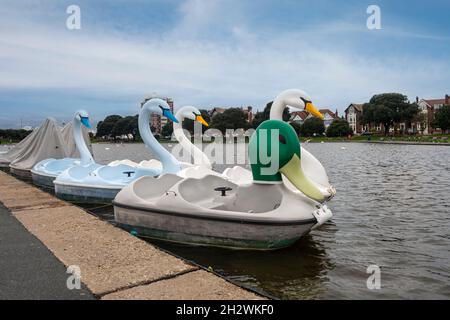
[7,141]
[434,139]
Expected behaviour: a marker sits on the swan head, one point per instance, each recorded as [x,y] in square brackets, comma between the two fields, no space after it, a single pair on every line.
[192,113]
[83,117]
[274,150]
[299,99]
[159,107]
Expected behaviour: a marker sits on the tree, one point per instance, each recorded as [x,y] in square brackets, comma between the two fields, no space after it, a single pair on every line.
[421,119]
[167,130]
[339,128]
[125,126]
[233,118]
[297,127]
[105,127]
[14,134]
[408,113]
[384,115]
[188,124]
[389,109]
[312,126]
[260,117]
[442,118]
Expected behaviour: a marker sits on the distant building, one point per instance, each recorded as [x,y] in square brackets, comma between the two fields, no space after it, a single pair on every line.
[353,115]
[428,107]
[328,116]
[216,110]
[299,117]
[157,121]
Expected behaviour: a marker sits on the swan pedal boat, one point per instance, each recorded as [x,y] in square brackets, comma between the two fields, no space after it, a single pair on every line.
[264,214]
[46,171]
[101,184]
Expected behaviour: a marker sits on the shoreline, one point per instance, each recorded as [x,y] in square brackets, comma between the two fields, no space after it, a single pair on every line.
[113,263]
[386,142]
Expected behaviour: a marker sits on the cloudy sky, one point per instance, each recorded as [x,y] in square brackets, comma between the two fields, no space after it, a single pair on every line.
[214,53]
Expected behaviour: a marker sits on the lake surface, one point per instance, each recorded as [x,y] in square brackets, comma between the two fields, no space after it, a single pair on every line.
[392,209]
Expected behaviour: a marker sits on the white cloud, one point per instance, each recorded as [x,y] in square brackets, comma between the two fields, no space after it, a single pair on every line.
[247,68]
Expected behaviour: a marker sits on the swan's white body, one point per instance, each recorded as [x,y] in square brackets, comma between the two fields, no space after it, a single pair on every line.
[100,184]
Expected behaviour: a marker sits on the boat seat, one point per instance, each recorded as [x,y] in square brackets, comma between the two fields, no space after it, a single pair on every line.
[79,173]
[123,173]
[158,185]
[248,198]
[60,165]
[201,191]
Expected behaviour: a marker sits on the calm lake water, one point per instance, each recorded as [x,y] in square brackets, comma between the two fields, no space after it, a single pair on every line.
[392,209]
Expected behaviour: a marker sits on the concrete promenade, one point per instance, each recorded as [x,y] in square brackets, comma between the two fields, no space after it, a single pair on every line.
[40,236]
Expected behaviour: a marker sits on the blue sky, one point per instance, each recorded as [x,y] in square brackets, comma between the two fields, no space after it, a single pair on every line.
[214,53]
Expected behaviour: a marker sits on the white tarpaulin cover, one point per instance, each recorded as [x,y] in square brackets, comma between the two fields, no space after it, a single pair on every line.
[45,142]
[16,151]
[69,140]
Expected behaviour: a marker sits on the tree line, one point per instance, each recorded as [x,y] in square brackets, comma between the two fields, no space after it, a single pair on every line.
[13,134]
[391,109]
[232,118]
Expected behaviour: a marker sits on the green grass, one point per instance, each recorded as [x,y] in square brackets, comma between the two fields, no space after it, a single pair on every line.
[438,138]
[6,141]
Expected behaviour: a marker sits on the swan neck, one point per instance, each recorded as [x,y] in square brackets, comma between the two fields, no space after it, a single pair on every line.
[85,154]
[169,163]
[199,156]
[277,109]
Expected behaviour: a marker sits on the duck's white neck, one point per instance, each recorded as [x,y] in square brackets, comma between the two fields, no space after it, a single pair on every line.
[86,157]
[169,163]
[199,157]
[277,109]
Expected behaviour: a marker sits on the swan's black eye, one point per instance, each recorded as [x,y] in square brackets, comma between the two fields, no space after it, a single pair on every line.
[282,139]
[305,101]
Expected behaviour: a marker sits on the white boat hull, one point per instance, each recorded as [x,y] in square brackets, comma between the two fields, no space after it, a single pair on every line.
[43,180]
[208,231]
[86,194]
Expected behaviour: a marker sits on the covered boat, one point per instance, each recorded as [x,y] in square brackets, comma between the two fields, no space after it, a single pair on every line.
[43,143]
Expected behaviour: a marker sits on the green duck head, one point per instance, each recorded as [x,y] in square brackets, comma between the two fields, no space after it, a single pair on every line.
[274,150]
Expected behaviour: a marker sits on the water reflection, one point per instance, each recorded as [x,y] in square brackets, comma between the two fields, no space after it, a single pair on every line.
[298,272]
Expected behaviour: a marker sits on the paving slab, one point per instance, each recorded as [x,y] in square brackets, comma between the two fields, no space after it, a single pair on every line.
[28,270]
[18,195]
[197,285]
[113,263]
[109,258]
